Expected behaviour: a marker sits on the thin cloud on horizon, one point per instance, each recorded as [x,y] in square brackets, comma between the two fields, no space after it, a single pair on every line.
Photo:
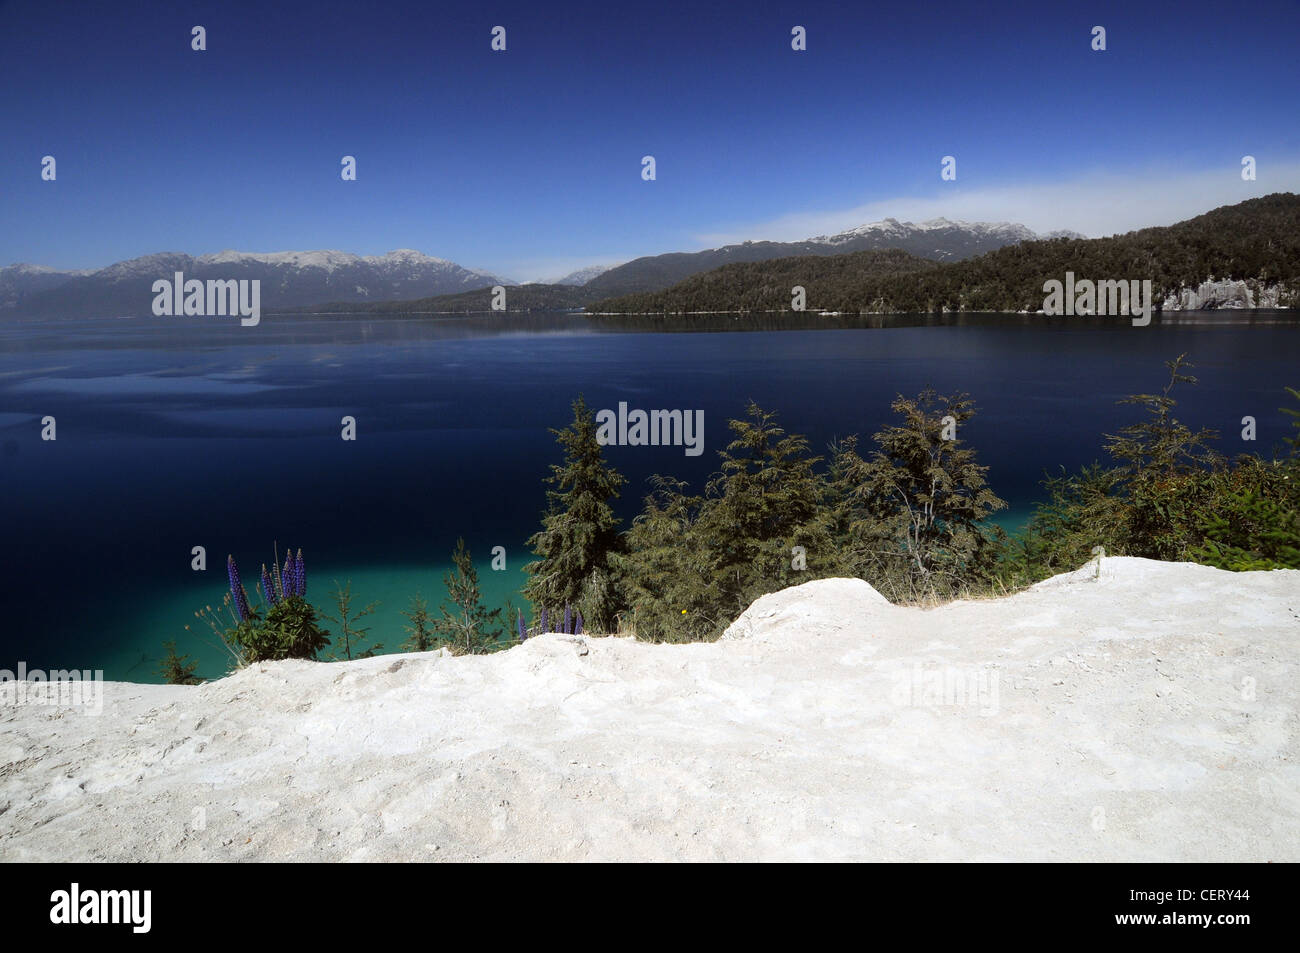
[1096,205]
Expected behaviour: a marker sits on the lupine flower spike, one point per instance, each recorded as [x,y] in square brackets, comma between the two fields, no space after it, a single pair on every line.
[267,589]
[237,590]
[300,575]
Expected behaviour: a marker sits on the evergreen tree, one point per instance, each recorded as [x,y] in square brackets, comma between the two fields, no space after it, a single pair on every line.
[177,669]
[579,540]
[918,500]
[421,638]
[698,561]
[765,501]
[466,625]
[667,596]
[352,634]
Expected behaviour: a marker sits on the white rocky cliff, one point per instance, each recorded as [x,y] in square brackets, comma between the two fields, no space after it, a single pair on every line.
[1224,294]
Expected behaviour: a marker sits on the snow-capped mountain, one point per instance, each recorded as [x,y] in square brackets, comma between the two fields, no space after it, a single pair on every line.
[938,238]
[18,281]
[582,275]
[289,279]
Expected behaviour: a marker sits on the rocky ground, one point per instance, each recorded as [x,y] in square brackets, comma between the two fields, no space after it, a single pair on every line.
[1144,713]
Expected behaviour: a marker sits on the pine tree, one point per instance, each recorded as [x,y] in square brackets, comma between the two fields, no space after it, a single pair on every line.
[667,597]
[177,669]
[421,637]
[351,633]
[466,625]
[766,500]
[579,541]
[698,561]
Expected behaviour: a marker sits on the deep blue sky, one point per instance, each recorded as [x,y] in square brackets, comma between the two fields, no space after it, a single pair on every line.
[528,162]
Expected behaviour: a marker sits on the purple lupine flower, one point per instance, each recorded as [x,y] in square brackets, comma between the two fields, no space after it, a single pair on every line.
[578,629]
[568,620]
[267,589]
[300,575]
[237,589]
[519,626]
[544,620]
[286,577]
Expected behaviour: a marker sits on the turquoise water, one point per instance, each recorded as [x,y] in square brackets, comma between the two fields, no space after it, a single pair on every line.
[392,586]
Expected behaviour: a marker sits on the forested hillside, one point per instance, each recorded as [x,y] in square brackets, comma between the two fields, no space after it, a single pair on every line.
[1256,240]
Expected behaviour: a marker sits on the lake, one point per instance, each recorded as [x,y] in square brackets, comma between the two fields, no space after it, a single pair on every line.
[175,433]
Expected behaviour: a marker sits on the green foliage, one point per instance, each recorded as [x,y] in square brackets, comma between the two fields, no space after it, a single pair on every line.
[765,285]
[1257,241]
[352,635]
[662,585]
[466,626]
[1157,458]
[1293,441]
[1167,496]
[765,500]
[177,669]
[1083,510]
[910,513]
[906,518]
[578,544]
[1249,531]
[421,637]
[696,562]
[290,630]
[1160,447]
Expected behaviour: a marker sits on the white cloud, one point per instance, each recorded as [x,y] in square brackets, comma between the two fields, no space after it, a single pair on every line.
[1097,204]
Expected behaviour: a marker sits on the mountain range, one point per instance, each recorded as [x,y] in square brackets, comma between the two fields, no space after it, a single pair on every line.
[409,280]
[288,279]
[938,240]
[1241,256]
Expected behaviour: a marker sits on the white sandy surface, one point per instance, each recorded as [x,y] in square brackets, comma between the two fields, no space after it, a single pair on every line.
[1148,714]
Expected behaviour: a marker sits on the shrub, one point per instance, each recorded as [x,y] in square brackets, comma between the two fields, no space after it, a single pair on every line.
[290,630]
[177,669]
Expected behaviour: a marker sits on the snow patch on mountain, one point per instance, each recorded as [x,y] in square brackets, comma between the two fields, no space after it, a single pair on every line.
[892,228]
[583,275]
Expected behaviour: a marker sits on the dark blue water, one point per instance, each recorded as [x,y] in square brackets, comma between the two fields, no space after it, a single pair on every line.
[176,435]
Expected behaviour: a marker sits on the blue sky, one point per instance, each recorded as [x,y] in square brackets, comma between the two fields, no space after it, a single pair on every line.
[527,162]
